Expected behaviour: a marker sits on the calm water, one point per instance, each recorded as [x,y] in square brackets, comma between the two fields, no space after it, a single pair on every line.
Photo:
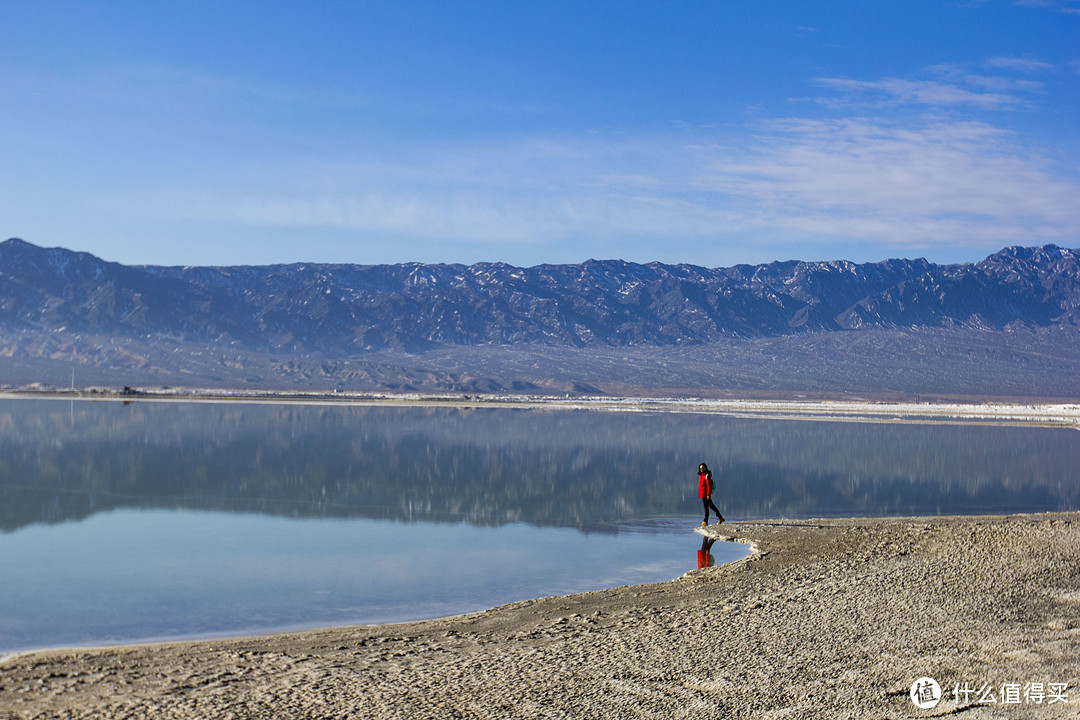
[149,520]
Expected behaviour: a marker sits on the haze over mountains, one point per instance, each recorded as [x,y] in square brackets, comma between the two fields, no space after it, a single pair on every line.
[1006,326]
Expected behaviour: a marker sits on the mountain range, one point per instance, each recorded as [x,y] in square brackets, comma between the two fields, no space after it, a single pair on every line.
[597,326]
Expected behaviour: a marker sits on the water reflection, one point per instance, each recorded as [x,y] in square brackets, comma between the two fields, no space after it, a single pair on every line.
[61,461]
[141,575]
[209,518]
[704,556]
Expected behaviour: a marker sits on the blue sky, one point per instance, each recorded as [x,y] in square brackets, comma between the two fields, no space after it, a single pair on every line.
[712,133]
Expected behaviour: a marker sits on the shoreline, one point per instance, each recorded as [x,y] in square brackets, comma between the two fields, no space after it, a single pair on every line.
[989,412]
[830,618]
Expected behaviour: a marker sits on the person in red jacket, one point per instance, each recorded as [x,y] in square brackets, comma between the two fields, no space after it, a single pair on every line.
[705,488]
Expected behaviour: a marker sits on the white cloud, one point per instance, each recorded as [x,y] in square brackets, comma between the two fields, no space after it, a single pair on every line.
[938,180]
[941,182]
[513,191]
[954,86]
[897,91]
[936,183]
[1063,6]
[1020,64]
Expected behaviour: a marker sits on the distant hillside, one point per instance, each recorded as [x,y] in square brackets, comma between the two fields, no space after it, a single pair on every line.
[492,326]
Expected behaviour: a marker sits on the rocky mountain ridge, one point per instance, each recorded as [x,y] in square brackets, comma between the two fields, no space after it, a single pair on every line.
[355,308]
[493,326]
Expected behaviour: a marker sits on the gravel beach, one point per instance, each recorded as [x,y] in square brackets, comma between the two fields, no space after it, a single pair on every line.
[830,618]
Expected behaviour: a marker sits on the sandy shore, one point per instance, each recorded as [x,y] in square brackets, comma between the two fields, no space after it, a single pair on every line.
[826,619]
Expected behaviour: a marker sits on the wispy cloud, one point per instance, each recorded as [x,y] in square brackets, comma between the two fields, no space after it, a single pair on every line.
[946,175]
[935,183]
[1064,6]
[940,182]
[899,91]
[533,189]
[951,85]
[1019,64]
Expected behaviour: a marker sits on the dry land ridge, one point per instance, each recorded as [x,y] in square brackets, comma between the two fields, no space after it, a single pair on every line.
[997,412]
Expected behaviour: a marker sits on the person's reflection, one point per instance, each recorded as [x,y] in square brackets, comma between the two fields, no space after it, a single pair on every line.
[704,557]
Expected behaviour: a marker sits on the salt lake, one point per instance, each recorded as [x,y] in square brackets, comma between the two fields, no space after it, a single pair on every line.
[148,520]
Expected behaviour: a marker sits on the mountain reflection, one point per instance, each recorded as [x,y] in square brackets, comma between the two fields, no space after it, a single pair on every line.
[63,460]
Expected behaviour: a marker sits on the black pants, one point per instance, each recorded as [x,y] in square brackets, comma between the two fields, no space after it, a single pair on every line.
[707,502]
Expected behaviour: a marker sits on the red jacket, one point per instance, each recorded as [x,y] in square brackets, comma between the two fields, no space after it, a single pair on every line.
[704,485]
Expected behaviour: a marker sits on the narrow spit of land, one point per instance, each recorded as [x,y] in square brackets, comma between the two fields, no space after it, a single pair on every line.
[1059,414]
[825,619]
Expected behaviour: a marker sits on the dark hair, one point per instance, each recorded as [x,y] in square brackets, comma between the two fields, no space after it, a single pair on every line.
[703,467]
